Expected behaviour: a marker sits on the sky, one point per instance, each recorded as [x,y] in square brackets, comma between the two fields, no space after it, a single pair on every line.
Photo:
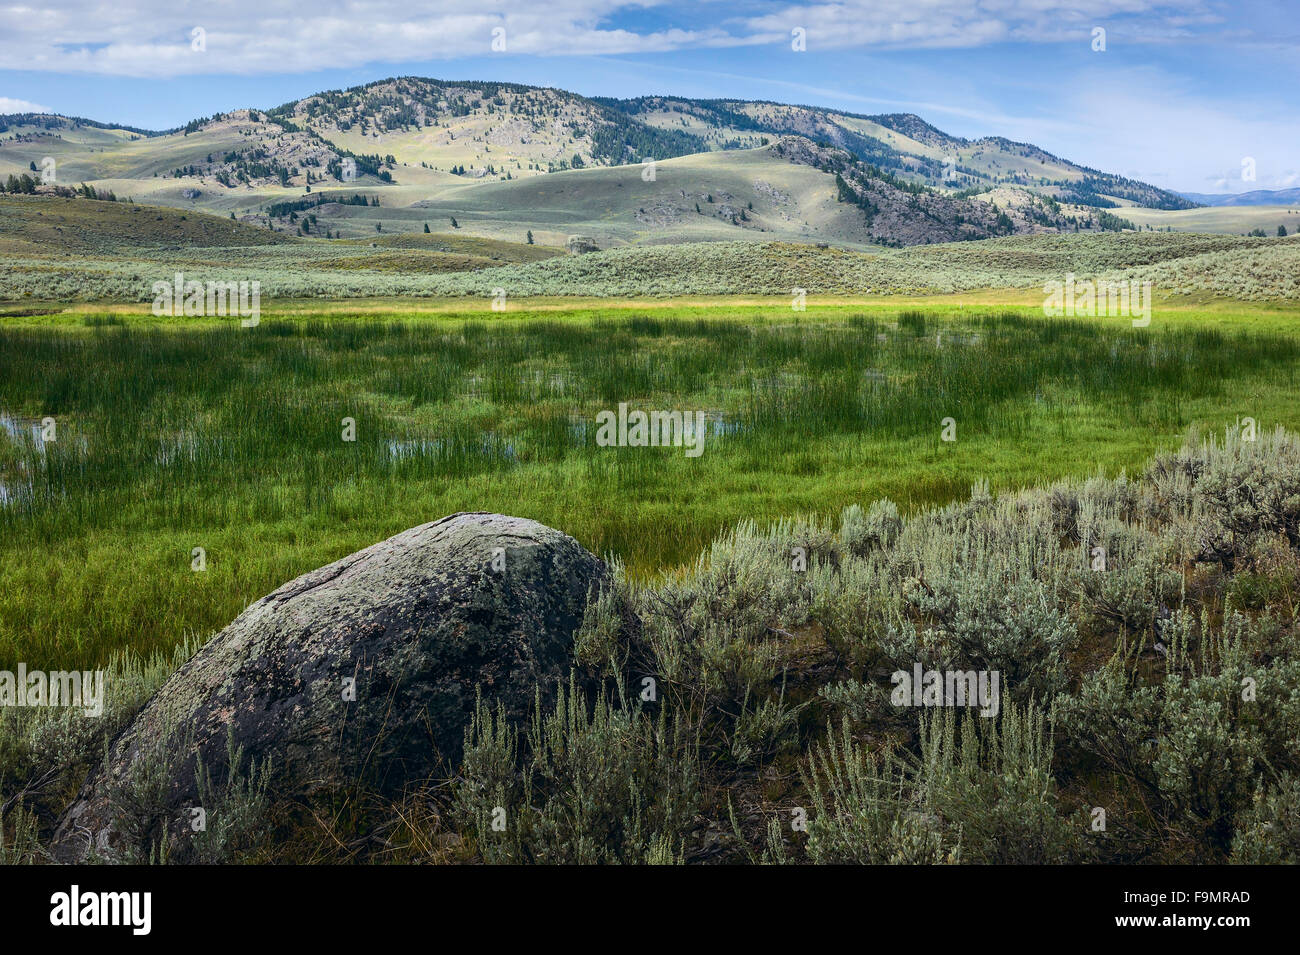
[1194,96]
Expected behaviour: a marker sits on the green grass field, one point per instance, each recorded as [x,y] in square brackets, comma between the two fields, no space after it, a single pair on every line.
[1238,219]
[159,474]
[173,435]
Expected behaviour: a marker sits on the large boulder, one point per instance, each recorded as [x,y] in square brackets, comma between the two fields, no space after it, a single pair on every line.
[363,670]
[582,244]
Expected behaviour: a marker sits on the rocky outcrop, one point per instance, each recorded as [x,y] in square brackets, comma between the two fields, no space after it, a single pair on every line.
[581,244]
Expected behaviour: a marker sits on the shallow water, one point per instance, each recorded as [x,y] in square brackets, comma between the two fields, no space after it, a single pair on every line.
[15,428]
[19,431]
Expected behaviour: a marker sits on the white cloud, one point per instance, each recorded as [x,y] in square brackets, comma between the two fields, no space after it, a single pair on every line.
[10,105]
[911,24]
[1160,129]
[152,38]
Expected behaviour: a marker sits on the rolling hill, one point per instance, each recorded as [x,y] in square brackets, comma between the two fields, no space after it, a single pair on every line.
[901,143]
[503,161]
[1256,197]
[59,250]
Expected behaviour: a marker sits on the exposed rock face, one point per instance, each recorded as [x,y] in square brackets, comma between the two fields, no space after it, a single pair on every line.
[579,244]
[418,622]
[893,212]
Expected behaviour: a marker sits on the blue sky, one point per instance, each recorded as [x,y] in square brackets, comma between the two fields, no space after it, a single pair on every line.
[1181,96]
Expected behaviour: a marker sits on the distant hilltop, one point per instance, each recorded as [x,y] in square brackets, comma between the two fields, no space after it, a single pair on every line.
[1257,197]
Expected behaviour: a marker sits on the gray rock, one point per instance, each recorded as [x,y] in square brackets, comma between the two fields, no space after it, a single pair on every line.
[419,621]
[582,244]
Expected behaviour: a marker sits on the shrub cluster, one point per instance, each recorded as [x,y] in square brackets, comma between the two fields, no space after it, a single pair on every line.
[1144,631]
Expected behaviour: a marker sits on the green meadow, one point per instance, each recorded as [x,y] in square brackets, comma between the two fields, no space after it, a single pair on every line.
[170,436]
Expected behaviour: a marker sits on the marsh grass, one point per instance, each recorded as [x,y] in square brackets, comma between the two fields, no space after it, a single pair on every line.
[231,439]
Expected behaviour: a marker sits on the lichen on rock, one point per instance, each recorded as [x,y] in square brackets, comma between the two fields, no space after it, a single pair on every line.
[363,670]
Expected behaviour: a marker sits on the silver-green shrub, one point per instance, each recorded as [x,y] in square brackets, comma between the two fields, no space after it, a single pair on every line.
[978,791]
[591,783]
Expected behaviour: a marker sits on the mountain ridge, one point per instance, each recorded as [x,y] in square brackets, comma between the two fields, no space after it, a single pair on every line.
[1256,197]
[617,131]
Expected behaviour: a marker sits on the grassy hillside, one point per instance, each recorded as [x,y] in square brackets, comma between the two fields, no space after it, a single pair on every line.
[118,250]
[485,129]
[692,198]
[414,252]
[418,144]
[901,143]
[79,147]
[1176,265]
[1226,219]
[52,227]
